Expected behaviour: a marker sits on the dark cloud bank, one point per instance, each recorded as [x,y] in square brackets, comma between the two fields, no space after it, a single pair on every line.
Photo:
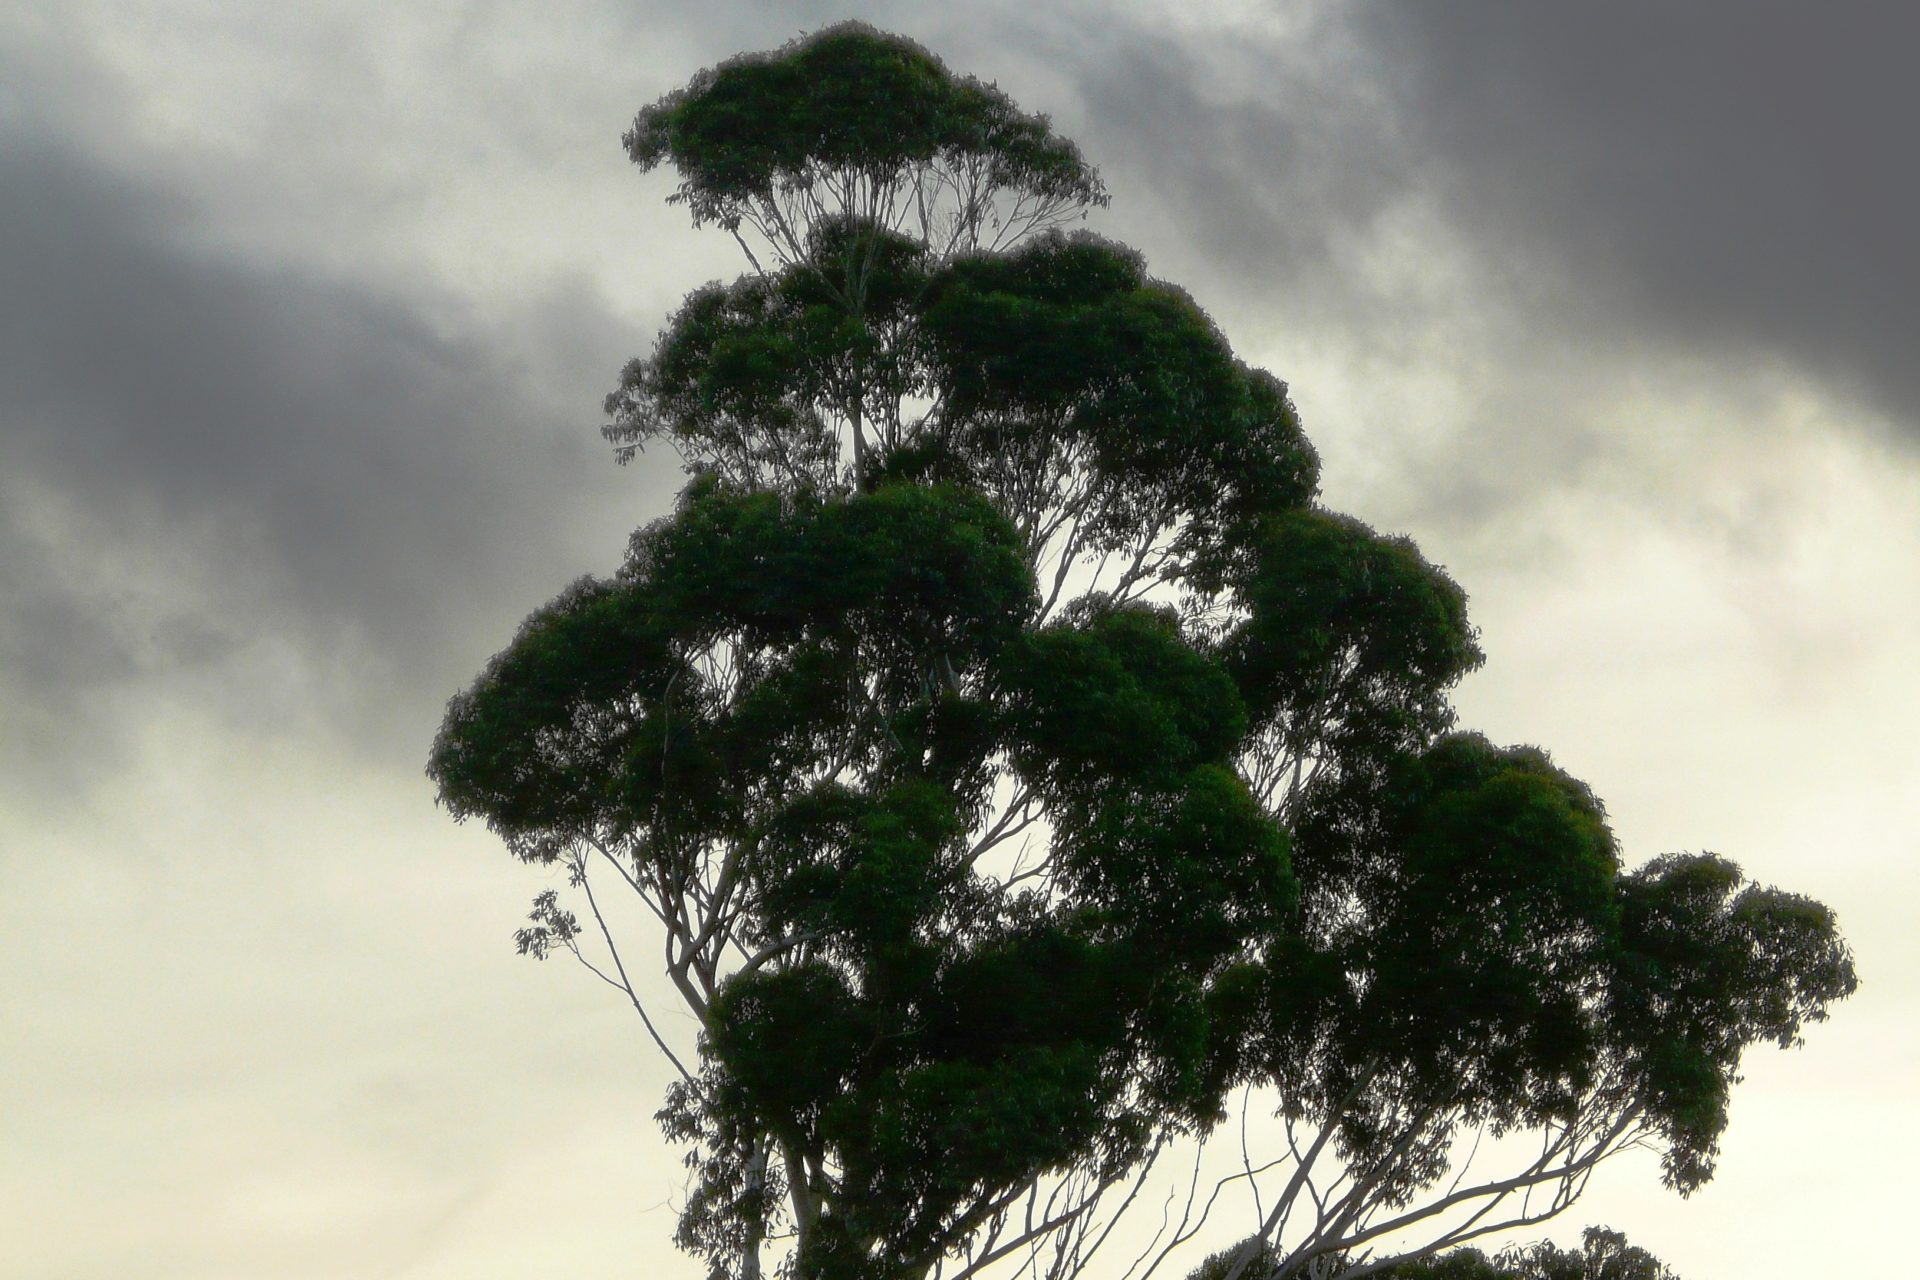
[1732,170]
[335,472]
[1729,179]
[353,477]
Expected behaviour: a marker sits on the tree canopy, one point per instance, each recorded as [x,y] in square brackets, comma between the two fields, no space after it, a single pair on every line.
[1023,768]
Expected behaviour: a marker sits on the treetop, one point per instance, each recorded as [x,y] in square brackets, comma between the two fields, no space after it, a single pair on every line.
[864,123]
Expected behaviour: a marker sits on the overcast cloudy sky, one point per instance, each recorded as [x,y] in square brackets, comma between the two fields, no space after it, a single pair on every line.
[306,312]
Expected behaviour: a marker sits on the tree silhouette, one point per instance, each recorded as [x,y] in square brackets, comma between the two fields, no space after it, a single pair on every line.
[1020,764]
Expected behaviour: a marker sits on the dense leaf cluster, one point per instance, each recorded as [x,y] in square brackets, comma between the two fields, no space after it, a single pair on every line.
[1019,759]
[851,102]
[1602,1255]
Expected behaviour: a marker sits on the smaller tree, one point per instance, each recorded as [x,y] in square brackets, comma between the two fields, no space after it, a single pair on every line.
[1603,1255]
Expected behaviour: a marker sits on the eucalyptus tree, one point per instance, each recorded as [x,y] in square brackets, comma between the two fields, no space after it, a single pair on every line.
[1019,764]
[1602,1255]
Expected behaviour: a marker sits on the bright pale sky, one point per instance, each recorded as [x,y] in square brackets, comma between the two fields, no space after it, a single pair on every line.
[306,313]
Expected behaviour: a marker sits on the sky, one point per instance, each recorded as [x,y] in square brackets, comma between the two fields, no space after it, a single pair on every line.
[306,314]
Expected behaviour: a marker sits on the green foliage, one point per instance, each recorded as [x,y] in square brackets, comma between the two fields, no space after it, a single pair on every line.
[1603,1255]
[850,99]
[1348,647]
[1112,698]
[737,376]
[1065,346]
[1018,760]
[1707,965]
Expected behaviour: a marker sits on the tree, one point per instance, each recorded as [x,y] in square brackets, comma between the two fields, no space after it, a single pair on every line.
[1021,765]
[1603,1255]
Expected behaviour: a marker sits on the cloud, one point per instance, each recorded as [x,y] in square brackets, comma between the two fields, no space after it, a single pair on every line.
[250,476]
[1724,178]
[1462,232]
[1505,253]
[1722,175]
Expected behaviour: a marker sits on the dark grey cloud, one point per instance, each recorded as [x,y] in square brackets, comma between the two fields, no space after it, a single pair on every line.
[1599,236]
[1270,186]
[299,493]
[345,474]
[1726,178]
[1732,174]
[381,477]
[1250,161]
